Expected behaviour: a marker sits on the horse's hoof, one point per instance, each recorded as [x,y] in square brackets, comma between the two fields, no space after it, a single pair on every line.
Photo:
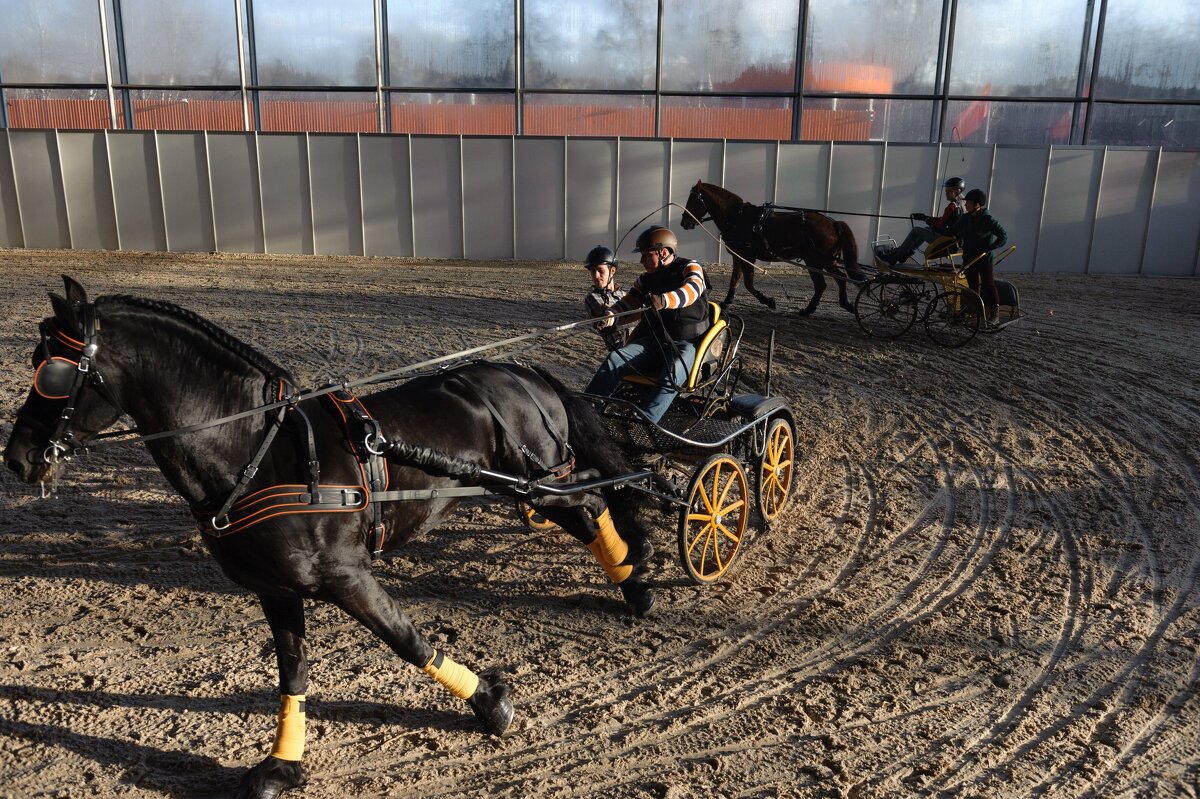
[770,303]
[491,703]
[270,778]
[805,312]
[725,304]
[639,596]
[848,306]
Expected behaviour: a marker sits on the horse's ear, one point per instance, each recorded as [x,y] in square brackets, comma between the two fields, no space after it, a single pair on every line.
[64,313]
[75,292]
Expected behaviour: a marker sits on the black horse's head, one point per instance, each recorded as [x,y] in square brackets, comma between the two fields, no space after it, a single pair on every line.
[695,211]
[67,404]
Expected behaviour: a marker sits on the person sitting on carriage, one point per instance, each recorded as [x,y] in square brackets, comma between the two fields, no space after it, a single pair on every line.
[935,227]
[677,288]
[602,264]
[980,235]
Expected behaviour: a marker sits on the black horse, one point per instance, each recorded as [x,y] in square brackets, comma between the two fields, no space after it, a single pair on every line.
[168,368]
[758,233]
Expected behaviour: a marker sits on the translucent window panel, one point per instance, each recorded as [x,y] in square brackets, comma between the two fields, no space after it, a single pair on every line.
[589,115]
[453,113]
[1145,125]
[727,118]
[183,42]
[463,45]
[872,48]
[51,41]
[729,45]
[878,119]
[186,110]
[992,122]
[1029,48]
[590,45]
[1149,51]
[315,43]
[331,112]
[78,109]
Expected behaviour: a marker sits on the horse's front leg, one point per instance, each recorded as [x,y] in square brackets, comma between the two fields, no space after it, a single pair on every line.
[281,770]
[818,280]
[363,598]
[758,295]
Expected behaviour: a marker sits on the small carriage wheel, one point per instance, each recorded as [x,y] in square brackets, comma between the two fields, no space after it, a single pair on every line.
[713,525]
[533,520]
[886,308]
[776,470]
[953,317]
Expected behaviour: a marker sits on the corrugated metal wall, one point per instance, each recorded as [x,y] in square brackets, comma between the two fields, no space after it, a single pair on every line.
[1068,209]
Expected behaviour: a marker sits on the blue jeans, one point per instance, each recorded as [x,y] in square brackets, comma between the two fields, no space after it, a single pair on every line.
[914,238]
[641,356]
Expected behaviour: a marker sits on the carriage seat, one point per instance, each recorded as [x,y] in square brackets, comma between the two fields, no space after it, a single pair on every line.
[710,350]
[943,248]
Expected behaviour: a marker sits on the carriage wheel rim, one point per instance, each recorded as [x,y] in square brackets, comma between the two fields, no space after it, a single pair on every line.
[715,520]
[883,310]
[953,317]
[777,471]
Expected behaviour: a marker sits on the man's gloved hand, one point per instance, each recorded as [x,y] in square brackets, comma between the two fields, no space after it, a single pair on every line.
[919,217]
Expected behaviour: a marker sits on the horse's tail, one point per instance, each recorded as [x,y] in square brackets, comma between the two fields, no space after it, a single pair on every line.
[595,449]
[849,249]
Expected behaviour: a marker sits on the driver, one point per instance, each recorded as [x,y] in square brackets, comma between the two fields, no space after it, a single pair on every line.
[935,227]
[678,289]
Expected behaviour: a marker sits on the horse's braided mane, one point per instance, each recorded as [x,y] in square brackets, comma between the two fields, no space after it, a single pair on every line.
[217,334]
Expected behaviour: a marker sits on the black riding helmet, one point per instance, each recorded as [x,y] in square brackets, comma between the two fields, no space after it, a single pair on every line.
[600,255]
[954,183]
[976,196]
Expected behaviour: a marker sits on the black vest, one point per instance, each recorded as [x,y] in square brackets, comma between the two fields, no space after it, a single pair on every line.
[682,324]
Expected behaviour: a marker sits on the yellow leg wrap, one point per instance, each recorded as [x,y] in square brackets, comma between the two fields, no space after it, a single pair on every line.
[609,549]
[457,678]
[618,574]
[289,734]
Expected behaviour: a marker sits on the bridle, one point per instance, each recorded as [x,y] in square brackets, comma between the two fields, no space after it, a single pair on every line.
[705,214]
[59,377]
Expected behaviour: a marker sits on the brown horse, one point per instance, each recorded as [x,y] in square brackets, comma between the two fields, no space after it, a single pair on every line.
[759,233]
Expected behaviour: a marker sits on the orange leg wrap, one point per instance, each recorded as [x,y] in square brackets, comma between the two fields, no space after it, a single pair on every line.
[455,677]
[610,550]
[289,732]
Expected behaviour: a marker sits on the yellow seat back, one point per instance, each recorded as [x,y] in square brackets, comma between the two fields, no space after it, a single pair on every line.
[702,350]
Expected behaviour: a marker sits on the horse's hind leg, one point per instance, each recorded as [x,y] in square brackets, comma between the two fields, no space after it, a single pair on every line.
[818,289]
[281,770]
[843,300]
[748,269]
[361,596]
[619,560]
[734,279]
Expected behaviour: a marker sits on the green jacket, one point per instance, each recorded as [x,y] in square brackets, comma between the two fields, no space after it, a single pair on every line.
[979,233]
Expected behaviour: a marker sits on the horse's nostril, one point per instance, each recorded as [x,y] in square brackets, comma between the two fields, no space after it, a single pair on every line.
[15,465]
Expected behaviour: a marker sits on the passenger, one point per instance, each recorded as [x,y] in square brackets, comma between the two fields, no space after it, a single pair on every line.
[602,264]
[936,227]
[678,288]
[980,235]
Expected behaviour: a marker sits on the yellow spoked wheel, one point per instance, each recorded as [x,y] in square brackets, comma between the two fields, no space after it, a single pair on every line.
[776,470]
[532,519]
[713,525]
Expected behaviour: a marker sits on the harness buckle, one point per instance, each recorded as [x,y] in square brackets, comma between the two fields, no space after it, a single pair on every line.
[220,527]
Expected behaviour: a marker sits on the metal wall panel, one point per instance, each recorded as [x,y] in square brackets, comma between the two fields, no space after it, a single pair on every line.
[750,171]
[136,184]
[803,175]
[286,205]
[855,175]
[488,197]
[10,209]
[972,163]
[437,197]
[643,187]
[910,184]
[1066,231]
[692,161]
[386,203]
[591,195]
[1016,201]
[337,199]
[1122,211]
[540,194]
[88,189]
[1174,232]
[187,204]
[237,206]
[39,188]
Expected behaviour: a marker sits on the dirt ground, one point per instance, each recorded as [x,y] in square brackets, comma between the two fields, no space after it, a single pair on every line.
[986,586]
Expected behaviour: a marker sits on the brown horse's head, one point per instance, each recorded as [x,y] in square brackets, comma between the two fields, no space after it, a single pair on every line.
[695,212]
